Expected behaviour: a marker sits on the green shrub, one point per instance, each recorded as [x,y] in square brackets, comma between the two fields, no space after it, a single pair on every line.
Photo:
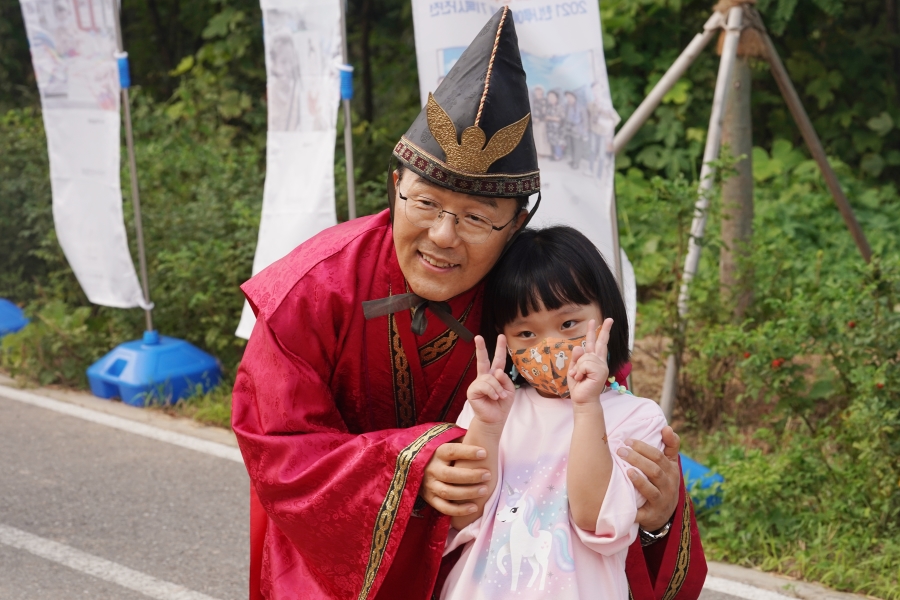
[56,347]
[201,196]
[797,403]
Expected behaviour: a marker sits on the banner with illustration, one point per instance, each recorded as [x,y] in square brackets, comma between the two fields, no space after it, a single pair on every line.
[303,51]
[73,46]
[572,113]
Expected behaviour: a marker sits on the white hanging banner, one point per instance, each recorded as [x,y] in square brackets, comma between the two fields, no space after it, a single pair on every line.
[571,109]
[73,46]
[303,51]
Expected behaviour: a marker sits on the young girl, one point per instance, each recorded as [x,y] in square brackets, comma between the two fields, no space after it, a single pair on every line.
[560,512]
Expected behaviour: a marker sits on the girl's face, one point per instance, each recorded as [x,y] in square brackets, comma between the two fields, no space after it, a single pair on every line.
[567,321]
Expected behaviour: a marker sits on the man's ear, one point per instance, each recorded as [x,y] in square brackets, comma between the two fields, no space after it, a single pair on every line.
[520,221]
[392,181]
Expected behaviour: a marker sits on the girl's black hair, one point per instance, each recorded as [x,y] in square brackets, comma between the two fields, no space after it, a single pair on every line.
[548,268]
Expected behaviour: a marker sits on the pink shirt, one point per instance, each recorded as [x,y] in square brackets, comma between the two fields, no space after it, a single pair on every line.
[526,545]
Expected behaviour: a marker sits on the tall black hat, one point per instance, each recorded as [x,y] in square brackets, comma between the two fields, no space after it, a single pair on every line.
[474,134]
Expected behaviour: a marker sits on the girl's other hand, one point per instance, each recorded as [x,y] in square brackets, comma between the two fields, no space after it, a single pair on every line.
[588,370]
[491,394]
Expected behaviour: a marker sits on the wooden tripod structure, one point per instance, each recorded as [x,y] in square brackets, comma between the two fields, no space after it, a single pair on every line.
[737,18]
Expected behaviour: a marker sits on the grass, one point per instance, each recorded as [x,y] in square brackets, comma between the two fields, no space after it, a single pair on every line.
[211,408]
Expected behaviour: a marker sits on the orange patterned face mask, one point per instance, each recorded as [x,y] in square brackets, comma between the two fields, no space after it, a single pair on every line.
[546,364]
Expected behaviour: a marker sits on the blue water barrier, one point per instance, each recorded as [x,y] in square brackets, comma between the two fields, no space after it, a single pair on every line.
[153,370]
[12,319]
[696,474]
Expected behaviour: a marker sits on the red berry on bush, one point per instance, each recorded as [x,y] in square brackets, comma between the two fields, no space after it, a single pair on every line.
[879,385]
[746,355]
[776,363]
[851,324]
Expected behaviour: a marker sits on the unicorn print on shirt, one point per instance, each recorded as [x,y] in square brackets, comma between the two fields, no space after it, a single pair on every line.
[532,544]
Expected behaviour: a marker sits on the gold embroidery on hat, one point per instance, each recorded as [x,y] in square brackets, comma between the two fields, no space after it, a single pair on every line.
[471,155]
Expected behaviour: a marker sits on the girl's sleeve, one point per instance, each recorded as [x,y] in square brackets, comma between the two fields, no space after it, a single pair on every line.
[470,532]
[616,528]
[465,416]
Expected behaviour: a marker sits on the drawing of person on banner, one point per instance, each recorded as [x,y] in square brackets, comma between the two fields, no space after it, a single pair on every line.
[539,118]
[576,129]
[284,83]
[603,120]
[316,110]
[297,59]
[554,117]
[51,45]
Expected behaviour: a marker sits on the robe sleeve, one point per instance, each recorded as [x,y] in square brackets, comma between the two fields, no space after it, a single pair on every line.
[342,500]
[673,568]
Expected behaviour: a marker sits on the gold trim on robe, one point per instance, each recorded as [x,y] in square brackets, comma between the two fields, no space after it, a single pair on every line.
[404,396]
[387,514]
[442,345]
[683,558]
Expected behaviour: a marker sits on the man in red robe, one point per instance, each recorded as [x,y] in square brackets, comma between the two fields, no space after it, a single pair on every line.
[361,356]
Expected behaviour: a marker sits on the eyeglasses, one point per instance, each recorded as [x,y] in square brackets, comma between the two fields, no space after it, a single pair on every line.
[471,228]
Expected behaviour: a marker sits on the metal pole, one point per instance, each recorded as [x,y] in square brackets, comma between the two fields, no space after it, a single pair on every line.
[348,131]
[132,164]
[662,87]
[815,145]
[617,251]
[707,174]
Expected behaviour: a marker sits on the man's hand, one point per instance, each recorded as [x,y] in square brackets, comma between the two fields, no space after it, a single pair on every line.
[661,480]
[444,485]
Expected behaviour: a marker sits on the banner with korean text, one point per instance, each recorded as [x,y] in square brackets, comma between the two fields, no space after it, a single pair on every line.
[571,109]
[303,51]
[73,47]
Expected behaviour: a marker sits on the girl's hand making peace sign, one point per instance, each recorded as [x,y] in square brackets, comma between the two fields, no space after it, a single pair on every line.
[588,370]
[491,394]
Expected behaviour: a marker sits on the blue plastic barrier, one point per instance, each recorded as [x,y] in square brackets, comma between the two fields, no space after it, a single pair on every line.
[696,474]
[12,319]
[155,369]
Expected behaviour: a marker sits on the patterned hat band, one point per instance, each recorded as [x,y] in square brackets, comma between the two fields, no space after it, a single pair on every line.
[491,184]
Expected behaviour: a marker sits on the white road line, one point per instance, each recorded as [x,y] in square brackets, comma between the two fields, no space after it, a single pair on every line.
[740,590]
[149,431]
[96,566]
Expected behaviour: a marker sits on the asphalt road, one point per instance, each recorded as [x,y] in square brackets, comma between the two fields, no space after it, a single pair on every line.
[138,506]
[172,513]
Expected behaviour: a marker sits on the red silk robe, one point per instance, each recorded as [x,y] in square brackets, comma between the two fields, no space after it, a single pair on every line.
[337,417]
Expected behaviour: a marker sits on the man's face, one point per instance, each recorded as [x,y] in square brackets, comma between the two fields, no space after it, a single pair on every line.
[436,263]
